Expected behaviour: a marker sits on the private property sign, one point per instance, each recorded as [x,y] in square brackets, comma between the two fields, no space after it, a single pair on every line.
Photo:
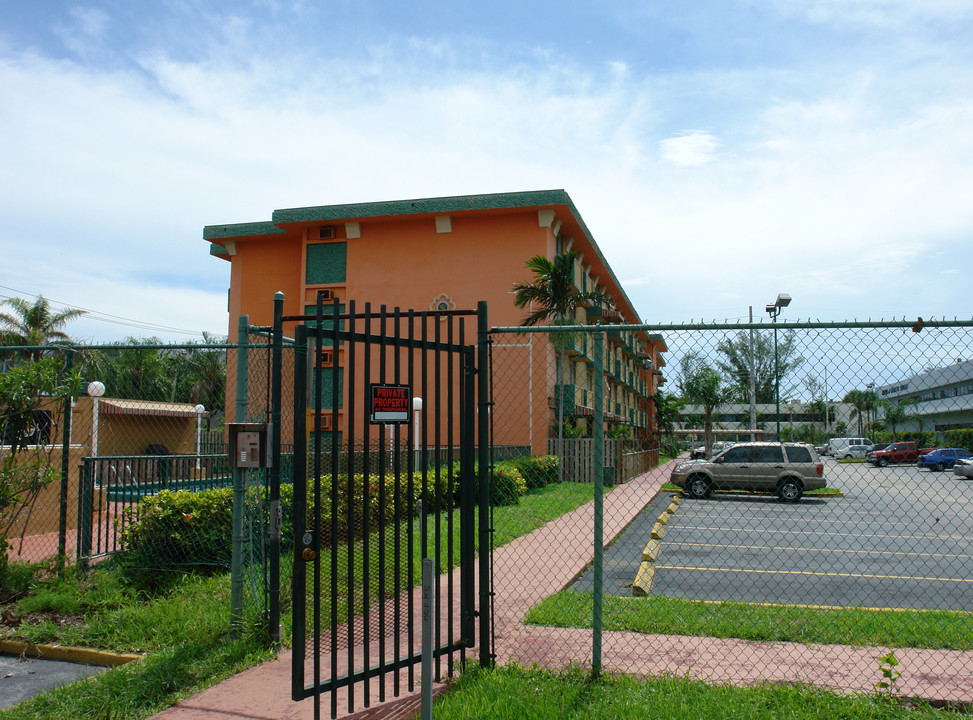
[391,403]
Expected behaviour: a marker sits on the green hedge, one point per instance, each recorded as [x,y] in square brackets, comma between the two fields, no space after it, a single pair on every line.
[176,528]
[537,470]
[924,439]
[185,528]
[962,438]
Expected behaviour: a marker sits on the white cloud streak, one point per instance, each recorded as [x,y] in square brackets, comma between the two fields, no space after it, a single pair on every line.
[837,187]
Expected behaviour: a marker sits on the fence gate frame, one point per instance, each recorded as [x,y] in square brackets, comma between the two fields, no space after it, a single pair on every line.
[389,357]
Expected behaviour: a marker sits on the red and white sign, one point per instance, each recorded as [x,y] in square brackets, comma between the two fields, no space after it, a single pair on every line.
[391,403]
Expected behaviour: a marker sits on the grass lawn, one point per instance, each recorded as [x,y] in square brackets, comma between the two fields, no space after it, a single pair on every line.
[519,693]
[181,625]
[779,623]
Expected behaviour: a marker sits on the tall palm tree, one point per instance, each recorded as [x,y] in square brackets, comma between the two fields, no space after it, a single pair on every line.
[703,386]
[897,412]
[34,324]
[552,297]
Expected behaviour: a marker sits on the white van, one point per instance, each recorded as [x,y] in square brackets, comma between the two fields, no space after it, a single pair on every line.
[837,446]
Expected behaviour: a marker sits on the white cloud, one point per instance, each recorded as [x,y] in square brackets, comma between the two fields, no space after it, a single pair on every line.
[692,148]
[834,187]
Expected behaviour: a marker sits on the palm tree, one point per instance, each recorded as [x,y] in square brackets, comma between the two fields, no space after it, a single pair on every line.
[34,324]
[740,354]
[865,402]
[897,412]
[702,385]
[551,297]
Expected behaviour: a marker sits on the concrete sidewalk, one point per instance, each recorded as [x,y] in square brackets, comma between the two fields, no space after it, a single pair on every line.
[547,560]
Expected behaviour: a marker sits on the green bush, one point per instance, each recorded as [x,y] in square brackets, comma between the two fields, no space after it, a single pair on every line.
[507,484]
[537,470]
[961,438]
[184,528]
[923,439]
[176,528]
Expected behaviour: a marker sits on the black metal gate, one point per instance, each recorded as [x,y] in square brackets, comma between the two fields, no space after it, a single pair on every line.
[385,458]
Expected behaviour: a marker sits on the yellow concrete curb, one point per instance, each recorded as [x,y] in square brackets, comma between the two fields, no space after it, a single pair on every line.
[651,551]
[82,656]
[643,580]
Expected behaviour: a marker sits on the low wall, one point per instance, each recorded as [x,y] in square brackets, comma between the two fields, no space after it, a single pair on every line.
[44,516]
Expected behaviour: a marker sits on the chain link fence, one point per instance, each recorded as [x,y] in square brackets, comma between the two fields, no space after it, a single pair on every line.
[127,447]
[725,576]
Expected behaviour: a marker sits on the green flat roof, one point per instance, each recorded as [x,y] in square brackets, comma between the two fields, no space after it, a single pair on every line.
[216,232]
[456,203]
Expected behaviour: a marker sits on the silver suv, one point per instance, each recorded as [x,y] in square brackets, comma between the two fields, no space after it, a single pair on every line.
[787,469]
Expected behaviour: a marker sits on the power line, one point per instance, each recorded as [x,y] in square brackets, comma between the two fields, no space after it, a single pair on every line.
[105,317]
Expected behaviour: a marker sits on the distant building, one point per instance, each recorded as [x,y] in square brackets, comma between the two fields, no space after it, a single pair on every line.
[731,421]
[944,397]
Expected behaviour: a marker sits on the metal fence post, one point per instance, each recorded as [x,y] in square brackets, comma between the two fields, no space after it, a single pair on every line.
[275,511]
[599,473]
[239,479]
[483,480]
[62,522]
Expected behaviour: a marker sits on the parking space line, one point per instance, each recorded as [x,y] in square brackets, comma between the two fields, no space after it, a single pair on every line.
[775,515]
[820,550]
[814,574]
[725,530]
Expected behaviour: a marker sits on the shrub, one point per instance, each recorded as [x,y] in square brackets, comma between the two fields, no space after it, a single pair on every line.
[507,484]
[180,527]
[961,438]
[537,470]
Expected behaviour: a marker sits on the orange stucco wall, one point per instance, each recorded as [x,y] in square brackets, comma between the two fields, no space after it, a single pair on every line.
[402,261]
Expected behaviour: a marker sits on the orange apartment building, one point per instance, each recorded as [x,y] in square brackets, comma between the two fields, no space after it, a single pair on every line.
[452,252]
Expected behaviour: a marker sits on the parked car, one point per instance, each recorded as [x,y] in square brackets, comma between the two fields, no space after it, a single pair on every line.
[900,452]
[787,469]
[719,446]
[942,458]
[836,446]
[963,467]
[875,447]
[852,452]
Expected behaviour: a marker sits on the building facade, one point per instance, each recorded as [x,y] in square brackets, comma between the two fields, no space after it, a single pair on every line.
[942,397]
[448,253]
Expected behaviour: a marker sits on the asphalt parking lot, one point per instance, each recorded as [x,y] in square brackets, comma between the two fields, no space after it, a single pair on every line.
[898,537]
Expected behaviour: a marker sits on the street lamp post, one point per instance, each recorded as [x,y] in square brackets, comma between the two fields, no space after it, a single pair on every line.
[95,389]
[200,409]
[753,386]
[782,301]
[416,409]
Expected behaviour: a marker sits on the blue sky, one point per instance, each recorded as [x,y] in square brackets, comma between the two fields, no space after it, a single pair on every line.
[720,152]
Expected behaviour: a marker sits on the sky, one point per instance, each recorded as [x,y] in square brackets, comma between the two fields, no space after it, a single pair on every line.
[720,151]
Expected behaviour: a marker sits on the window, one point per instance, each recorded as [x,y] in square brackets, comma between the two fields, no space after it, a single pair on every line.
[768,454]
[798,455]
[737,455]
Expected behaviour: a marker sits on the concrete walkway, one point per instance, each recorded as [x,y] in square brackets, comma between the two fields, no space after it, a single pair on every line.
[547,560]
